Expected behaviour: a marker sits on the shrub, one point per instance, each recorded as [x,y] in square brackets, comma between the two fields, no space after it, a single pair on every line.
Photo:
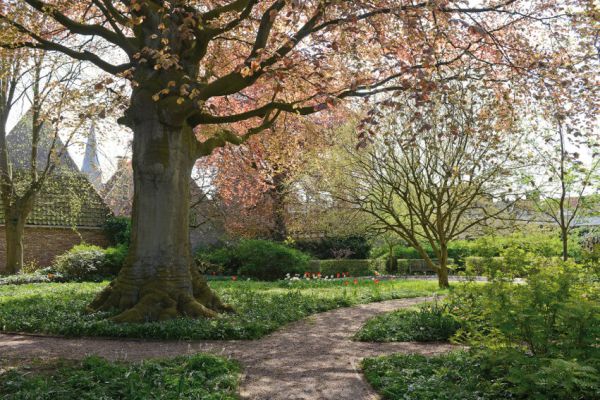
[218,259]
[429,323]
[118,230]
[352,267]
[86,262]
[267,260]
[83,262]
[353,247]
[115,258]
[483,266]
[417,265]
[557,313]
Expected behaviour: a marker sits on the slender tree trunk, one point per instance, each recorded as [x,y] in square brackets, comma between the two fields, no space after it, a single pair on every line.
[443,267]
[279,231]
[564,236]
[14,229]
[159,280]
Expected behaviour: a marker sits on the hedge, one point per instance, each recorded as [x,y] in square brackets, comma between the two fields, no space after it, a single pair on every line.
[410,266]
[349,266]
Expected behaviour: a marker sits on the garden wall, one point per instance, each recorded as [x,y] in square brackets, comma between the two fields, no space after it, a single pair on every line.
[42,244]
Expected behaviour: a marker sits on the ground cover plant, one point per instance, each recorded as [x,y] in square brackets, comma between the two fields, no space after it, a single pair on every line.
[428,323]
[262,307]
[199,376]
[480,375]
[534,340]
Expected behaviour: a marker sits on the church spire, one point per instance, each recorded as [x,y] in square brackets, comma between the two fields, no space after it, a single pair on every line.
[91,164]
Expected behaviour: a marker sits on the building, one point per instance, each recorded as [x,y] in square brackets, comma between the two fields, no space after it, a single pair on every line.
[67,211]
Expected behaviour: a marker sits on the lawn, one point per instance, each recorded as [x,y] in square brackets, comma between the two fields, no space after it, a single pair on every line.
[199,376]
[262,307]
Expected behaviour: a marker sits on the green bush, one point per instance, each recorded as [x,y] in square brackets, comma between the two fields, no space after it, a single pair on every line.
[557,313]
[429,323]
[115,258]
[417,265]
[260,259]
[86,262]
[83,262]
[483,266]
[353,247]
[118,230]
[266,260]
[351,267]
[218,259]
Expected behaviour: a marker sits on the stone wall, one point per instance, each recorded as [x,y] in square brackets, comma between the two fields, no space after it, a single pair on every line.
[42,244]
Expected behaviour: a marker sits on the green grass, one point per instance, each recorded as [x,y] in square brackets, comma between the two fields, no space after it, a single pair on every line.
[196,377]
[429,323]
[481,375]
[57,308]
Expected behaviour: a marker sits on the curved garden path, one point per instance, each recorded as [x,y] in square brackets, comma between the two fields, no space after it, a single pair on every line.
[314,358]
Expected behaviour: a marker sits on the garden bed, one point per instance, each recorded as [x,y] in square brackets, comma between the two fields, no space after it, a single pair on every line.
[58,308]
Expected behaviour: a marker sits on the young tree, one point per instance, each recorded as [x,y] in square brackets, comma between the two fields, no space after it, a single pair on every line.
[186,58]
[432,172]
[566,187]
[29,75]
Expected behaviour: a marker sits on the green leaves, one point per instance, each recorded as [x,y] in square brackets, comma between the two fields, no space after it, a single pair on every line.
[196,377]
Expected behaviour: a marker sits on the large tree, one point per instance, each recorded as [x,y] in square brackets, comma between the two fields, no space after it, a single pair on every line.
[432,172]
[185,58]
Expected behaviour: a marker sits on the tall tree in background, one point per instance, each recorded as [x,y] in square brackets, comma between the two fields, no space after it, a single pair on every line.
[255,182]
[432,172]
[566,187]
[30,76]
[185,59]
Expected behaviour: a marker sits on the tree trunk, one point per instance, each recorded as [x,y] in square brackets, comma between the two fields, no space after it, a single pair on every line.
[159,280]
[564,236]
[443,267]
[279,231]
[14,230]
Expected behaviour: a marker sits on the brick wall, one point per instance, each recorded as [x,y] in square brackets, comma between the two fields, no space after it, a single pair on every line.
[42,244]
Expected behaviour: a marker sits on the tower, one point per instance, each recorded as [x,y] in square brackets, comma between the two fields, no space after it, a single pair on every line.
[91,164]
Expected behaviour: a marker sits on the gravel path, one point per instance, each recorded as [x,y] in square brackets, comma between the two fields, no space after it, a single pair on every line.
[314,358]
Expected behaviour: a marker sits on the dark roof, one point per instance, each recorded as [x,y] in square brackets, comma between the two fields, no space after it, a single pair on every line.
[67,198]
[18,142]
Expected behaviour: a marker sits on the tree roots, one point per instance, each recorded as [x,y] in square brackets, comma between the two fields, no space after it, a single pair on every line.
[157,301]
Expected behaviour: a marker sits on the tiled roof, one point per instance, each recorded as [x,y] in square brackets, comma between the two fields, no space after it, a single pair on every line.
[67,198]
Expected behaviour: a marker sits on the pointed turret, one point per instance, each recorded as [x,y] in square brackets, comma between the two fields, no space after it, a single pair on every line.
[91,164]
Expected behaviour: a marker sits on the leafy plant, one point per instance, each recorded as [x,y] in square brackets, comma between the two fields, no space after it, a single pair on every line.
[118,230]
[262,307]
[199,376]
[428,323]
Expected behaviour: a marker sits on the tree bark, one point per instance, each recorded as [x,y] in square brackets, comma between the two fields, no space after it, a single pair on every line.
[564,236]
[159,280]
[443,267]
[14,223]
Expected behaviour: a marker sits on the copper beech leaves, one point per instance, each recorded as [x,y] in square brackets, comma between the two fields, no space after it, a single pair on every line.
[309,56]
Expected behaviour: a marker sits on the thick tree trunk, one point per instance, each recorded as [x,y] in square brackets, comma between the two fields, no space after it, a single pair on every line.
[159,280]
[14,230]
